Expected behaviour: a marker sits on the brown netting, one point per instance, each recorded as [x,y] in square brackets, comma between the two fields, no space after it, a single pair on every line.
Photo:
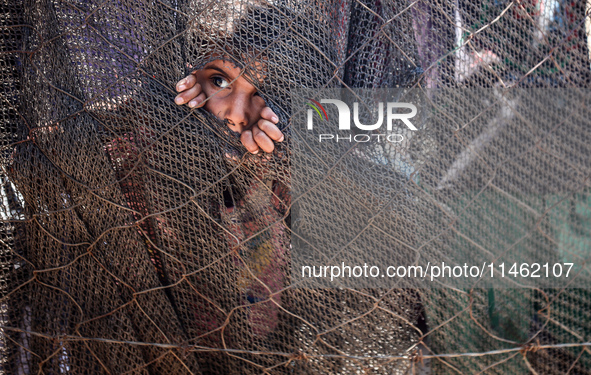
[138,236]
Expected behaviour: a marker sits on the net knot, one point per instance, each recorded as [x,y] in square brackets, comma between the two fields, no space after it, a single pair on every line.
[531,347]
[297,357]
[417,357]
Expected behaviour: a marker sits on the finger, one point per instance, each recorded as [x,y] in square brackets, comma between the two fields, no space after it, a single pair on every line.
[271,130]
[262,139]
[199,101]
[188,95]
[248,141]
[268,114]
[185,83]
[232,157]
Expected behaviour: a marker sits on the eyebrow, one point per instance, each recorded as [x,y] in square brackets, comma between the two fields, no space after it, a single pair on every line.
[216,68]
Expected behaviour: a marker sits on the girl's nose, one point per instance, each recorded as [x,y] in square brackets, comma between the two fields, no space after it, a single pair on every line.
[238,113]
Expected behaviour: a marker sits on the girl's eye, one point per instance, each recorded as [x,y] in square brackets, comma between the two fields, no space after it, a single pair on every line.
[220,82]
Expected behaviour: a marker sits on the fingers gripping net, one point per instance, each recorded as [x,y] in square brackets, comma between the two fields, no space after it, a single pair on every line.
[138,236]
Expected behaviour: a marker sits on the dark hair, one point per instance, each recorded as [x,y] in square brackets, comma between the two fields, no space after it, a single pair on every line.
[297,49]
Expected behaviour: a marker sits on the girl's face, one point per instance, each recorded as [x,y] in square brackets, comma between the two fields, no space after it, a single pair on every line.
[231,96]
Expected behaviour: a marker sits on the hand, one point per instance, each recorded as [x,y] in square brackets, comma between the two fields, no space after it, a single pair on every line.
[259,137]
[263,133]
[190,92]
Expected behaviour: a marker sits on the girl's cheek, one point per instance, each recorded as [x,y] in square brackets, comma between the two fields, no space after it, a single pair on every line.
[259,104]
[211,107]
[206,88]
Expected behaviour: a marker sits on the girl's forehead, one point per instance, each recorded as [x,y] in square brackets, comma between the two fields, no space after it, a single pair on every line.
[226,65]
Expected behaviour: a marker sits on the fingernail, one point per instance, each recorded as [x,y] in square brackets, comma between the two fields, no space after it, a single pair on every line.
[282,138]
[195,102]
[255,152]
[178,100]
[274,119]
[181,88]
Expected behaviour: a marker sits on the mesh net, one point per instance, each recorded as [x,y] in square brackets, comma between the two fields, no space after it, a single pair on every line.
[138,236]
